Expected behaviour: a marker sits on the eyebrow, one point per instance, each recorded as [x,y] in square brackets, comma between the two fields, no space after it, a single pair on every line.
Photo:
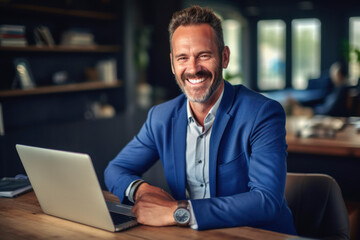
[180,55]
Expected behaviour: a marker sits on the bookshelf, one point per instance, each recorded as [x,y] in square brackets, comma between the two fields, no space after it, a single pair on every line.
[98,19]
[58,112]
[64,11]
[75,87]
[59,48]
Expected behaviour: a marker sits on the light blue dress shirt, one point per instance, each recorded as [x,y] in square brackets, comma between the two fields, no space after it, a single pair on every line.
[197,153]
[197,157]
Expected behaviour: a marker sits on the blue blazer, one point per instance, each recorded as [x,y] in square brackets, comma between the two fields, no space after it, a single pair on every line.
[247,160]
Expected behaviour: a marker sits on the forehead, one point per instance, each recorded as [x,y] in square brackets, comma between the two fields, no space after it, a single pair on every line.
[194,36]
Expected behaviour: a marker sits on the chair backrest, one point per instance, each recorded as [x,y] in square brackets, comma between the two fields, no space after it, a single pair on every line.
[317,205]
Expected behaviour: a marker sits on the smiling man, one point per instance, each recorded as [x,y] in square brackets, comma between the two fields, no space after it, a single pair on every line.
[197,65]
[222,147]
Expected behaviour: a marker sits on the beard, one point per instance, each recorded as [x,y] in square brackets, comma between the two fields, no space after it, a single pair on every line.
[208,93]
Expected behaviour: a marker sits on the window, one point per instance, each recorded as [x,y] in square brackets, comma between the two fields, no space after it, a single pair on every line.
[271,54]
[232,38]
[305,51]
[354,61]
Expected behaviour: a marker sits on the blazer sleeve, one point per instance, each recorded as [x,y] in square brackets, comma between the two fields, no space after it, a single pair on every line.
[133,160]
[263,204]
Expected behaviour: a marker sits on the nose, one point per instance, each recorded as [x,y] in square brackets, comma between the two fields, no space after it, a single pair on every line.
[193,66]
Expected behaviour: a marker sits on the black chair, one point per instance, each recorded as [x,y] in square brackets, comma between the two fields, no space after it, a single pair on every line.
[317,205]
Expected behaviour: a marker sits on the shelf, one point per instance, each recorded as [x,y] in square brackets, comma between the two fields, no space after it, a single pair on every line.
[75,87]
[59,48]
[69,12]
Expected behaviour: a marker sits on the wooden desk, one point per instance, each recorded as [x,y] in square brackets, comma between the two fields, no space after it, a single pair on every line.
[22,218]
[345,143]
[338,157]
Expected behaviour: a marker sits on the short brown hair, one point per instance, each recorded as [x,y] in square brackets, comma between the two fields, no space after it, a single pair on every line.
[197,15]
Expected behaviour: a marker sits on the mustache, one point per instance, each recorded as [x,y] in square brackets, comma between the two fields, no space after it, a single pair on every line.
[199,74]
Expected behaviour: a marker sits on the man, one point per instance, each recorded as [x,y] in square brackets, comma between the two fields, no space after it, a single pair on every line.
[335,103]
[222,147]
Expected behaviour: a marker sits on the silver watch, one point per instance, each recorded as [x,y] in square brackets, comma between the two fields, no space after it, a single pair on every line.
[182,214]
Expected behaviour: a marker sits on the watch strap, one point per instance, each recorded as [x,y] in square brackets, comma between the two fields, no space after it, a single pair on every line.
[183,204]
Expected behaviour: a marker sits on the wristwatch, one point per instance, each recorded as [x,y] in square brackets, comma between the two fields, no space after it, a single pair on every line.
[182,213]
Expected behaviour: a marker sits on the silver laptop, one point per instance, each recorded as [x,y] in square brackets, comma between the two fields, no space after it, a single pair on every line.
[66,186]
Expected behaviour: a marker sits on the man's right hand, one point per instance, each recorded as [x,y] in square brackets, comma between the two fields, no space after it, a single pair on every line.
[154,206]
[146,188]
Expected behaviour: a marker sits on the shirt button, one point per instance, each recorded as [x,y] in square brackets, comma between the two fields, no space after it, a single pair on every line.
[200,161]
[201,185]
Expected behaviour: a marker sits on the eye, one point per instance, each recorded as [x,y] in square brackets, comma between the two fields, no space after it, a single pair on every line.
[204,56]
[181,59]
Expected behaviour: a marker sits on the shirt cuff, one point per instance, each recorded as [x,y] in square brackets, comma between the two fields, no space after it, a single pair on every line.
[193,223]
[128,190]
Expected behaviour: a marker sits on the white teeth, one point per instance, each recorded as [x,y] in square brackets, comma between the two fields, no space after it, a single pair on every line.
[194,81]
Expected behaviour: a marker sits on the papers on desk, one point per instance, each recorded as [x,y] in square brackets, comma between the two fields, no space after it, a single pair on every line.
[318,126]
[11,187]
[356,122]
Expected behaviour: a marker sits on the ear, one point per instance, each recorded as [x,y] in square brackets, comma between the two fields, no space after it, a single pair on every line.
[225,57]
[172,64]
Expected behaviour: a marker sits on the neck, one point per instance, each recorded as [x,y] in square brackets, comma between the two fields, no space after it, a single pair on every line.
[200,110]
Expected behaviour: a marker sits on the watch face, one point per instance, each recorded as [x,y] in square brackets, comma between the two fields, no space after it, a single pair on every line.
[182,215]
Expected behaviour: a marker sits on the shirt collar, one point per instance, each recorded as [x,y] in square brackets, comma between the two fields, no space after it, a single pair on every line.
[210,115]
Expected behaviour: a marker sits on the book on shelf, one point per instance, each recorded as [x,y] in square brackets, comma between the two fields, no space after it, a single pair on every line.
[77,37]
[12,29]
[13,42]
[8,35]
[106,70]
[43,36]
[12,187]
[12,36]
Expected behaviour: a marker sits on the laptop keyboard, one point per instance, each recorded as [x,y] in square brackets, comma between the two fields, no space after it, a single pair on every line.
[120,218]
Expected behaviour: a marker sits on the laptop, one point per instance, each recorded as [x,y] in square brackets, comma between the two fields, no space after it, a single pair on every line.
[66,186]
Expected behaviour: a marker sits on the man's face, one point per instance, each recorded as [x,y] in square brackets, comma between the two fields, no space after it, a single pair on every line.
[196,62]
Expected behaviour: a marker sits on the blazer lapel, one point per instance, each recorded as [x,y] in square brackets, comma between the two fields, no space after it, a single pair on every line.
[220,123]
[179,128]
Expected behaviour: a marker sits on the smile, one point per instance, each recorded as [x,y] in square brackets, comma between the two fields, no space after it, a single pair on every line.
[196,80]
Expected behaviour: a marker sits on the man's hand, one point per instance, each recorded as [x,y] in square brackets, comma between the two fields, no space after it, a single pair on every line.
[154,206]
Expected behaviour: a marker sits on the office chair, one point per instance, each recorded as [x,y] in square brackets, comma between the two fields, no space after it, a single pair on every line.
[317,206]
